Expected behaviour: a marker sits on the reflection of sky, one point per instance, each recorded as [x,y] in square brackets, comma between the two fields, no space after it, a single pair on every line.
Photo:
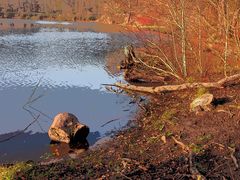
[62,59]
[92,107]
[52,22]
[88,76]
[52,34]
[71,68]
[36,145]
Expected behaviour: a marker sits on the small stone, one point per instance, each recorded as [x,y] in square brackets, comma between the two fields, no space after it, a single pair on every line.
[164,139]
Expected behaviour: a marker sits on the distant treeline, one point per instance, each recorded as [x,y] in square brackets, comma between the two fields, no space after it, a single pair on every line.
[82,10]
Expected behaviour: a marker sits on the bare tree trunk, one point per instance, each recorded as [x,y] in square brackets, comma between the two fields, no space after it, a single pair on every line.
[183,36]
[200,40]
[129,11]
[226,29]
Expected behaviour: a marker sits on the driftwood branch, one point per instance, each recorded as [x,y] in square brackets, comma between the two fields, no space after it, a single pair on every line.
[228,81]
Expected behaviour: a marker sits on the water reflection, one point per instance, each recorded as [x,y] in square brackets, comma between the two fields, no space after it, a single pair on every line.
[61,58]
[35,146]
[71,66]
[52,22]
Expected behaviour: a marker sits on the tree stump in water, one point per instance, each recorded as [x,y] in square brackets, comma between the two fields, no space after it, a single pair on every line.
[129,57]
[66,128]
[133,71]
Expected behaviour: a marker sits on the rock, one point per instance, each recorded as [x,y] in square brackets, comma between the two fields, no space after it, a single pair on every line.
[164,139]
[66,128]
[202,103]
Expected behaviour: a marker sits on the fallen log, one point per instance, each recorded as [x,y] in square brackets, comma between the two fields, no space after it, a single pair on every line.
[228,81]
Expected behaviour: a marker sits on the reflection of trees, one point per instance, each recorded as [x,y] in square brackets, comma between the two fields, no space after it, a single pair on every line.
[1,12]
[28,8]
[10,12]
[35,7]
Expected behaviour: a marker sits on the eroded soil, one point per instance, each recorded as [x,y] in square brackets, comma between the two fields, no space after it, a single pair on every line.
[207,144]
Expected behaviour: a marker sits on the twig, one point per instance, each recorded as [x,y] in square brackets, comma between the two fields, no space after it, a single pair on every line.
[110,89]
[34,90]
[231,173]
[210,172]
[224,111]
[136,163]
[220,145]
[110,122]
[125,176]
[195,173]
[31,100]
[22,131]
[138,102]
[35,99]
[40,126]
[45,115]
[183,146]
[141,106]
[233,150]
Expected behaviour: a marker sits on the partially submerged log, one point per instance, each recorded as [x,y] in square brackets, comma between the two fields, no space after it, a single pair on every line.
[66,128]
[130,56]
[228,81]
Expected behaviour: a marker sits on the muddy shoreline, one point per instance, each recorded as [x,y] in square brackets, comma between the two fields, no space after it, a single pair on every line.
[141,152]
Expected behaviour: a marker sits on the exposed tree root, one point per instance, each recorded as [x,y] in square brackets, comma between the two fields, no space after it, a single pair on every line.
[228,81]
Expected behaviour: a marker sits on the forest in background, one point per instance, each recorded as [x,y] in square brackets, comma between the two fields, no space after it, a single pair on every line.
[73,10]
[192,39]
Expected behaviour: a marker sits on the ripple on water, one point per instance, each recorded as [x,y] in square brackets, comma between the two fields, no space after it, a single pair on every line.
[71,66]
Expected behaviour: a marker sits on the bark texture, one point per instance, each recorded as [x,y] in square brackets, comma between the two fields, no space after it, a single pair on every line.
[66,128]
[228,81]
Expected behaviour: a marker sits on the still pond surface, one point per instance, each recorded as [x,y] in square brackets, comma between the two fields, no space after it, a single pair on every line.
[56,70]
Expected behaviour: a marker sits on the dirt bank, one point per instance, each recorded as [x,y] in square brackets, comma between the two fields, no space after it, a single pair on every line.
[155,147]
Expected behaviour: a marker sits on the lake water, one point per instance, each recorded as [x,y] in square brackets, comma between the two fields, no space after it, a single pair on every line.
[56,70]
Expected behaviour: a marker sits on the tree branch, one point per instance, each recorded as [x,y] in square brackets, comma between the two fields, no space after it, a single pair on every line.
[167,88]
